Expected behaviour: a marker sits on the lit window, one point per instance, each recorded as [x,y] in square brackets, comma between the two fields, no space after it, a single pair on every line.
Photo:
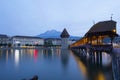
[114,30]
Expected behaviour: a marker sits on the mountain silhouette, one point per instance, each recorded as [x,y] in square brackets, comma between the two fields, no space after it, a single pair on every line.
[55,34]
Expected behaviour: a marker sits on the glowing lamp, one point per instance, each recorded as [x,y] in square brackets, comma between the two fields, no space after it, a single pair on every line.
[114,30]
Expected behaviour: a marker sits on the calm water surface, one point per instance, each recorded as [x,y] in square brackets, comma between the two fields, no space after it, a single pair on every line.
[50,64]
[47,64]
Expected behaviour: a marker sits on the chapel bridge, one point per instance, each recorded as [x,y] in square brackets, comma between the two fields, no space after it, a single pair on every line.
[94,38]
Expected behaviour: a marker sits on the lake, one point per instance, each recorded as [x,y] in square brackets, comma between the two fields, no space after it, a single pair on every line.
[53,64]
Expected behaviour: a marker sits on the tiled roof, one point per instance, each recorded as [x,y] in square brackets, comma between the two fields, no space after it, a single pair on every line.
[64,34]
[103,26]
[3,36]
[27,37]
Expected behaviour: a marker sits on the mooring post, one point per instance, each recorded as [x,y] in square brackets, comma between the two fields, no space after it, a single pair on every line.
[94,57]
[97,56]
[100,58]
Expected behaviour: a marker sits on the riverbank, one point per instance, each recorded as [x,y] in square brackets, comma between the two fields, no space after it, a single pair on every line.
[8,48]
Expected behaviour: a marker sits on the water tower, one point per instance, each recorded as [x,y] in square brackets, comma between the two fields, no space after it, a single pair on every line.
[64,36]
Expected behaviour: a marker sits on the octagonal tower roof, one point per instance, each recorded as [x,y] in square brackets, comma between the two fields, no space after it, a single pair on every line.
[64,34]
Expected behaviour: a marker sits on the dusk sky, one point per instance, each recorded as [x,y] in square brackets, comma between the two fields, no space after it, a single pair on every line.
[33,17]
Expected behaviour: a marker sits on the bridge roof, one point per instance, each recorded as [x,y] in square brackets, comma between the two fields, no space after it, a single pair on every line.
[103,26]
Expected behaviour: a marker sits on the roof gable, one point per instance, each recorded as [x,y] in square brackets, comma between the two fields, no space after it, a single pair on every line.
[64,34]
[103,26]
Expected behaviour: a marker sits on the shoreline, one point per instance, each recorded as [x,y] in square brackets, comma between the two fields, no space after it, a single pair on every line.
[30,48]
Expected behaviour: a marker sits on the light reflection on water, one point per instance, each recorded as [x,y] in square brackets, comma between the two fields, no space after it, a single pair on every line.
[54,64]
[17,54]
[116,63]
[106,59]
[81,66]
[96,71]
[48,64]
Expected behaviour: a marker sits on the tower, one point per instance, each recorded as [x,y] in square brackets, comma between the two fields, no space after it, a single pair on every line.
[64,36]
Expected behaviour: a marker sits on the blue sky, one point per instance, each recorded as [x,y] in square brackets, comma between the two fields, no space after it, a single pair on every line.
[33,17]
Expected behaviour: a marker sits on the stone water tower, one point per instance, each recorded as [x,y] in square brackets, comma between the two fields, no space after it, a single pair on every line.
[65,38]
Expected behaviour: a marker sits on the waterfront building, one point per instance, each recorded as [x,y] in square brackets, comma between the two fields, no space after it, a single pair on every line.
[65,39]
[4,39]
[53,41]
[116,42]
[71,41]
[56,41]
[27,41]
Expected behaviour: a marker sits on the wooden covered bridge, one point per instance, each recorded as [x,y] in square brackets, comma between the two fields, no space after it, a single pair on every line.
[92,43]
[94,37]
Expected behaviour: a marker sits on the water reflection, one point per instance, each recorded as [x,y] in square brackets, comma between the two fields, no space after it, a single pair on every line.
[116,64]
[35,54]
[93,69]
[100,70]
[65,57]
[17,54]
[106,59]
[81,66]
[48,54]
[56,64]
[5,57]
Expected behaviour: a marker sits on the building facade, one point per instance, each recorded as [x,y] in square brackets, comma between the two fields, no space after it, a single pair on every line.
[116,42]
[4,40]
[53,42]
[27,41]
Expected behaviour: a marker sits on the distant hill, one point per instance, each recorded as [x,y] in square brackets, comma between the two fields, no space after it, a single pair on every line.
[55,34]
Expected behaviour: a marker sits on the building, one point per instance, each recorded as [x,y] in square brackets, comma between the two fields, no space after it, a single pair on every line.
[53,42]
[71,41]
[116,42]
[65,39]
[4,40]
[27,41]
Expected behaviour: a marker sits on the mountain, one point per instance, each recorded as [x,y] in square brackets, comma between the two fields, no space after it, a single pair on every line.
[50,34]
[55,34]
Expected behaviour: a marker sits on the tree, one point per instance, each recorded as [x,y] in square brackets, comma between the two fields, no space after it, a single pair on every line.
[9,44]
[48,43]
